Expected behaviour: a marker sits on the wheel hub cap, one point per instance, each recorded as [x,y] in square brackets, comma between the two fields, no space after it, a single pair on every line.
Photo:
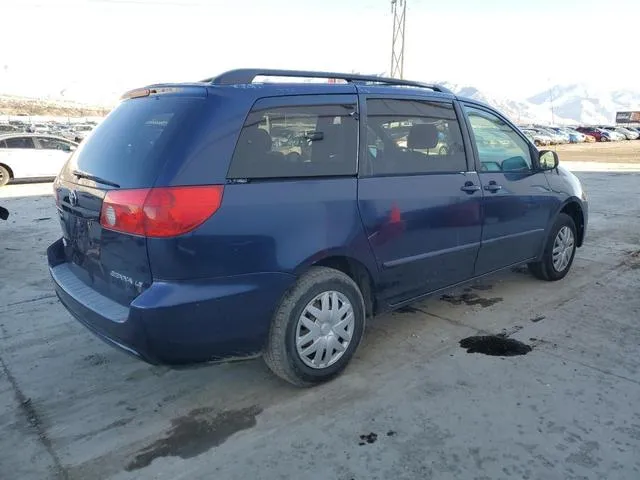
[563,247]
[324,329]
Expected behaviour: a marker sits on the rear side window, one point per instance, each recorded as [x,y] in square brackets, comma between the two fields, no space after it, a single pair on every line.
[300,141]
[20,142]
[130,146]
[413,137]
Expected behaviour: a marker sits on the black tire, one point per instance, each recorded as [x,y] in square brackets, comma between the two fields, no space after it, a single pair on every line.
[544,269]
[5,176]
[281,355]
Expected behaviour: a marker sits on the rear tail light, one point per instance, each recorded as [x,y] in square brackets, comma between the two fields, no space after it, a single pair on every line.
[159,212]
[56,191]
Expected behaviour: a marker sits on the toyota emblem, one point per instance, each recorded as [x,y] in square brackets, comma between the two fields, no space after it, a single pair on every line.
[73,198]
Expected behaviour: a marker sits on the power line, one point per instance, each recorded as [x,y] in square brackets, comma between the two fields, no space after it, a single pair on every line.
[152,3]
[399,10]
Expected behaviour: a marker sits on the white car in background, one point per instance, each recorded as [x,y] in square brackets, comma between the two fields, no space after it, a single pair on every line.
[25,155]
[80,132]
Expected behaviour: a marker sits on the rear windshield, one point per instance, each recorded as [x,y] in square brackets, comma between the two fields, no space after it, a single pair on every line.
[127,147]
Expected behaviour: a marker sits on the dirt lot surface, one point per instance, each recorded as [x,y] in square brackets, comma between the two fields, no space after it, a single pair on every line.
[413,404]
[616,152]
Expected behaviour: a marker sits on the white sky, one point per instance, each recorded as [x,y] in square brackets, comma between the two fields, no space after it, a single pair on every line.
[93,50]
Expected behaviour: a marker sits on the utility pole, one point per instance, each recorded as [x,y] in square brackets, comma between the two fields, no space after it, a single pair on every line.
[553,115]
[399,10]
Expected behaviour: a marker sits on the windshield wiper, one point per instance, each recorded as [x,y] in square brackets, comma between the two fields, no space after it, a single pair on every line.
[88,176]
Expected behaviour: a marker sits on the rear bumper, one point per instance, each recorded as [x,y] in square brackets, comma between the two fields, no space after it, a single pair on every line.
[175,323]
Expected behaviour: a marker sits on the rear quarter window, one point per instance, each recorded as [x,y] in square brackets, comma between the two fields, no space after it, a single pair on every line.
[130,146]
[297,141]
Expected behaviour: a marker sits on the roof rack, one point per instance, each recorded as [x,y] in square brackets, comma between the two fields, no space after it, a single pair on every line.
[248,75]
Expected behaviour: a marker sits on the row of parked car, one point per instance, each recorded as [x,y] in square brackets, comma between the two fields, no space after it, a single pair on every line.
[545,135]
[75,132]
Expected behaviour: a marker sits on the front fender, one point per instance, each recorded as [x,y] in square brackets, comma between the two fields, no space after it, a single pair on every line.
[584,210]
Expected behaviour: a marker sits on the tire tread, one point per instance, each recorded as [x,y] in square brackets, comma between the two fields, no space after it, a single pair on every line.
[543,269]
[275,354]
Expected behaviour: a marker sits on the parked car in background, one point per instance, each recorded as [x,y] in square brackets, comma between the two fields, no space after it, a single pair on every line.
[531,137]
[582,137]
[556,138]
[631,134]
[566,137]
[538,138]
[8,128]
[633,128]
[292,236]
[30,155]
[38,128]
[598,134]
[609,136]
[575,137]
[626,133]
[614,135]
[80,132]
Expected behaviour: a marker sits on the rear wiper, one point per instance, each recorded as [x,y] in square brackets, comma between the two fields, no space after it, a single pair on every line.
[88,176]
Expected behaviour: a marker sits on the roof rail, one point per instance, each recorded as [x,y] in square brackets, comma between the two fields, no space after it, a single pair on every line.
[248,75]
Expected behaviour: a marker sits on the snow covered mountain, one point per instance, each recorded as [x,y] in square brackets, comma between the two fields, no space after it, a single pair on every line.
[572,104]
[519,111]
[586,104]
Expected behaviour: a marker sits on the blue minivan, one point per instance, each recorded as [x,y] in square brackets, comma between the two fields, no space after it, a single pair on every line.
[269,212]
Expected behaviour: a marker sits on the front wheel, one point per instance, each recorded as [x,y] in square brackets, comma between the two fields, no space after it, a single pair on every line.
[5,176]
[558,252]
[317,328]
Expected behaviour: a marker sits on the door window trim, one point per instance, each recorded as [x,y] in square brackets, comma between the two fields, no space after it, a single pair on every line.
[364,124]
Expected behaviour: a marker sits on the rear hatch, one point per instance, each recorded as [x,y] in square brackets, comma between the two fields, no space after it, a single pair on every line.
[121,160]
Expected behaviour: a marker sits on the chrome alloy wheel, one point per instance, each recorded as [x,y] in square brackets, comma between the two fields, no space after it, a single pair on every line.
[563,247]
[324,329]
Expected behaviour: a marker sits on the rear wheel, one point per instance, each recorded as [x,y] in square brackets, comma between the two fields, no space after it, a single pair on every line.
[317,328]
[5,176]
[558,252]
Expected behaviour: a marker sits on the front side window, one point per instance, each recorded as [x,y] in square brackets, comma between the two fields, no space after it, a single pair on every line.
[300,141]
[413,137]
[500,147]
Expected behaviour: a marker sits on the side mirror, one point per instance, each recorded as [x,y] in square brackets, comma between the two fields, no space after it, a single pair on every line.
[548,160]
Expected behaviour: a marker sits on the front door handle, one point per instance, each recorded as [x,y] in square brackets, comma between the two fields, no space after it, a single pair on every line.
[493,187]
[469,187]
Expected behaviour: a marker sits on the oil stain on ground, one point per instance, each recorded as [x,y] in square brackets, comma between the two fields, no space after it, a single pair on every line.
[368,438]
[195,433]
[495,345]
[470,299]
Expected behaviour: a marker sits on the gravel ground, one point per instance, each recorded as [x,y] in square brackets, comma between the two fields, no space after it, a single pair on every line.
[413,404]
[602,152]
